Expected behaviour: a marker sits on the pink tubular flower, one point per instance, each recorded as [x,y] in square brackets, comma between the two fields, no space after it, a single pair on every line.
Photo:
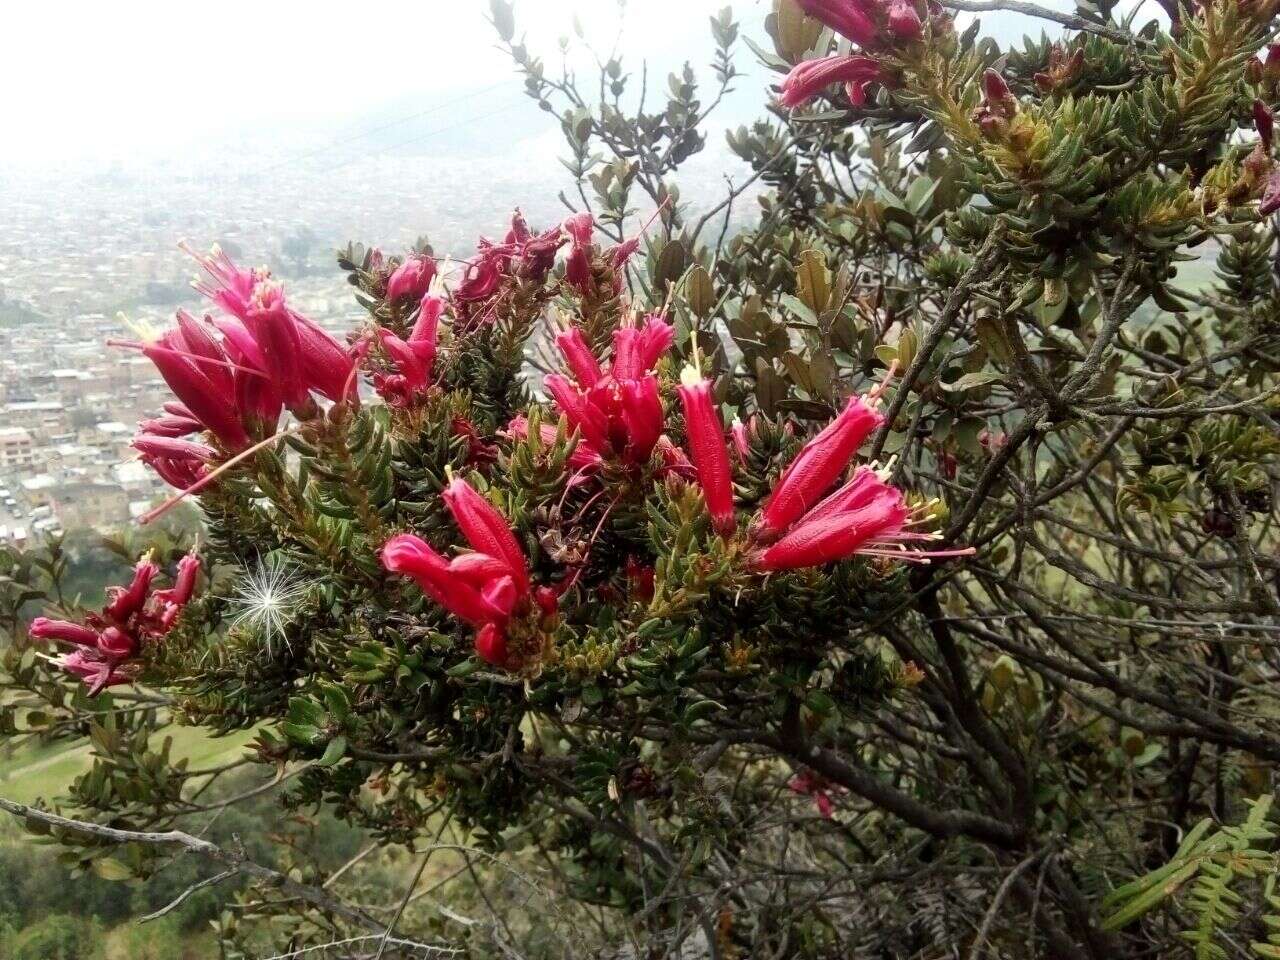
[808,79]
[412,279]
[741,442]
[636,350]
[132,615]
[874,513]
[321,363]
[184,583]
[203,384]
[810,783]
[866,516]
[486,588]
[486,529]
[904,21]
[618,414]
[581,361]
[817,466]
[126,601]
[709,452]
[481,278]
[415,358]
[96,671]
[42,628]
[577,270]
[411,555]
[171,448]
[585,416]
[170,426]
[848,17]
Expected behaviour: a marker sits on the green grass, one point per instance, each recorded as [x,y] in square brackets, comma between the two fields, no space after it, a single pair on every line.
[36,771]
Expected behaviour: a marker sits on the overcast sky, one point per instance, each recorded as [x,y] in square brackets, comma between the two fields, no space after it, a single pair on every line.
[88,79]
[88,82]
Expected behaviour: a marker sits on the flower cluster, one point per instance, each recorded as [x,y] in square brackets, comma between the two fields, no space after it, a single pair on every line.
[234,374]
[523,256]
[877,27]
[488,587]
[799,527]
[414,358]
[618,414]
[107,641]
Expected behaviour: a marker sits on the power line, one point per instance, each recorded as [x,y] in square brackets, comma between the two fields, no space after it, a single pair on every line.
[386,126]
[426,136]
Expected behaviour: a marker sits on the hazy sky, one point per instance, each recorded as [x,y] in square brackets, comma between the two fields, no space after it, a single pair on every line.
[90,83]
[87,79]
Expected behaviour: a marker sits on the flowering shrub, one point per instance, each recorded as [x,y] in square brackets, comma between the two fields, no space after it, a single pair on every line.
[888,577]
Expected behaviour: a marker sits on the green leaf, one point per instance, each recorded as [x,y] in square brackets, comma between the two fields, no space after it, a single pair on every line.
[971,381]
[464,669]
[334,752]
[108,868]
[813,281]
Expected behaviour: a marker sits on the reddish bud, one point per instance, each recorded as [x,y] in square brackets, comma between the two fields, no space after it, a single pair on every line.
[709,452]
[491,644]
[412,279]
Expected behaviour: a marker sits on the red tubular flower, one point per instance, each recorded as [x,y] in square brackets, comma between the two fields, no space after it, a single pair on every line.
[848,17]
[491,644]
[412,279]
[172,448]
[808,79]
[486,529]
[642,414]
[209,397]
[273,329]
[327,366]
[412,556]
[184,582]
[709,452]
[126,601]
[42,628]
[904,21]
[618,414]
[837,536]
[817,466]
[636,350]
[591,422]
[577,354]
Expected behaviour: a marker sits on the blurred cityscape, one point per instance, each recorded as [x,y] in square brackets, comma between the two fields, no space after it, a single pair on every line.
[76,251]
